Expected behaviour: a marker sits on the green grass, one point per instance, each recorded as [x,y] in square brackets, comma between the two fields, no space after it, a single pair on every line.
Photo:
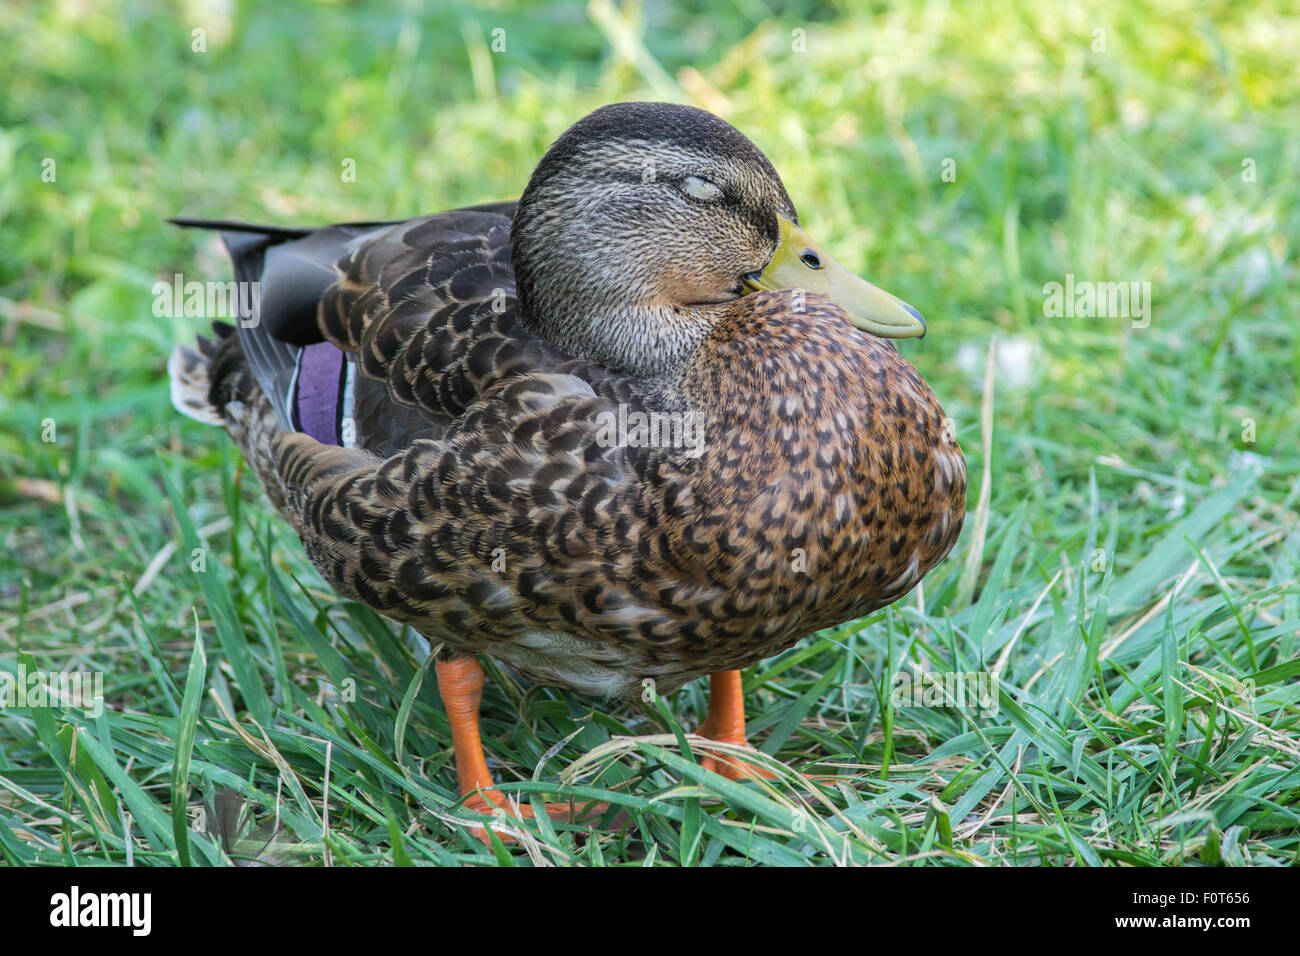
[1130,575]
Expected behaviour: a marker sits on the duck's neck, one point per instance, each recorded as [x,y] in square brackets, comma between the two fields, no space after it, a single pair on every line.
[647,340]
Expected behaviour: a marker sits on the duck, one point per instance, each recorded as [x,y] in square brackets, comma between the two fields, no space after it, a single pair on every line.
[632,430]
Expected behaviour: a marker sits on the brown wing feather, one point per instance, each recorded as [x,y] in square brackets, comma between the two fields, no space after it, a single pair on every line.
[429,307]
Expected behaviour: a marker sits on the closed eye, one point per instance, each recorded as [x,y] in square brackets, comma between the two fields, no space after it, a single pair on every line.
[701,189]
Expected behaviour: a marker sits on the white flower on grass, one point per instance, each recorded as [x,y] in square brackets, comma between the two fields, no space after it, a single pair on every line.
[1239,461]
[1017,362]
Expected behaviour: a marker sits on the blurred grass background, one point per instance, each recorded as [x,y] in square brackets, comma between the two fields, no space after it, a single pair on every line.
[1161,150]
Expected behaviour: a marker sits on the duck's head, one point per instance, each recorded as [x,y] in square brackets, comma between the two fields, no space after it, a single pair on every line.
[644,219]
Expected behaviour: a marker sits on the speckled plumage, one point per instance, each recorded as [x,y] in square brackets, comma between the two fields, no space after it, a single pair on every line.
[484,504]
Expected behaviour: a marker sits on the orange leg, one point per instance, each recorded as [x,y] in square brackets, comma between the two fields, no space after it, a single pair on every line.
[460,682]
[726,723]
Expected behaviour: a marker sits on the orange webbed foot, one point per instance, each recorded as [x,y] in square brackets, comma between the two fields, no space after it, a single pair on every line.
[494,803]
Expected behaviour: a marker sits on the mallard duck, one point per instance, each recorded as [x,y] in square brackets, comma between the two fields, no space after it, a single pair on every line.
[633,430]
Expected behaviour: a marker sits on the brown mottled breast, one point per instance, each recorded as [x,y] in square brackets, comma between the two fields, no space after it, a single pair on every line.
[832,482]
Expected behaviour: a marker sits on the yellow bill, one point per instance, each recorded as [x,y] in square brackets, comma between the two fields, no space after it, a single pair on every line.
[799,263]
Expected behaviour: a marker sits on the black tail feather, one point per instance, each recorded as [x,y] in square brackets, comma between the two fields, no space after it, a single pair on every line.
[233,225]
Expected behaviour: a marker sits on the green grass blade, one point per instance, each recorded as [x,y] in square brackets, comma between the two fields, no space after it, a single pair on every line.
[195,679]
